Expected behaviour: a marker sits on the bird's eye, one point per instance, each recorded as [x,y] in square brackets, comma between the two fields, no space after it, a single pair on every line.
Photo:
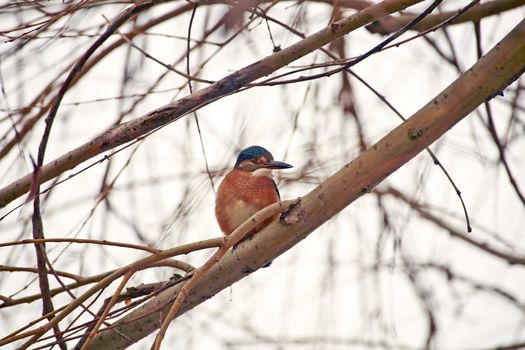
[248,163]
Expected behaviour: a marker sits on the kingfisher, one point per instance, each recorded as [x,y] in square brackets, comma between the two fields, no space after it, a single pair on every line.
[247,188]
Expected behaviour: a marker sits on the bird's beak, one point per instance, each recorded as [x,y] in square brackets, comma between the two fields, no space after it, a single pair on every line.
[275,164]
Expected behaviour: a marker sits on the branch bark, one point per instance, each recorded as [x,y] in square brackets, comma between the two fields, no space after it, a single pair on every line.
[391,24]
[486,79]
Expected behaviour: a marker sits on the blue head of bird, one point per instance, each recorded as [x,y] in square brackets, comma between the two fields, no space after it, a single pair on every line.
[259,161]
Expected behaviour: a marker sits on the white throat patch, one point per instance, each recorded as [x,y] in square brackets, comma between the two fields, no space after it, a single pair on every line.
[263,172]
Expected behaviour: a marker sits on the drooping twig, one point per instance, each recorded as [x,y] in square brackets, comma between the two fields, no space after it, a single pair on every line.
[508,257]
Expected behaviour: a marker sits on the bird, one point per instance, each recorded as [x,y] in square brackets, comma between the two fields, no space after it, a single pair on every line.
[247,188]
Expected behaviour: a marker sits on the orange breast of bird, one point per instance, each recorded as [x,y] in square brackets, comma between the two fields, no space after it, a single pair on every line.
[241,195]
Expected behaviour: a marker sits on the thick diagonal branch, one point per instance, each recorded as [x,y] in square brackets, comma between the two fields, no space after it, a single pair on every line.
[489,76]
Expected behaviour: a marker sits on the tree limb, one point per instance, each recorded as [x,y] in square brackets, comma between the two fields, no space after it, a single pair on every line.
[490,75]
